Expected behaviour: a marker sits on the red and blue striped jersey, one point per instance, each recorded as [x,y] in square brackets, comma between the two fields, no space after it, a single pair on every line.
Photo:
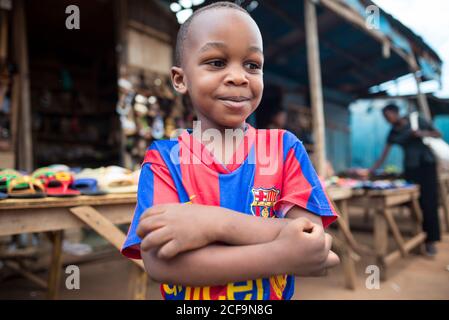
[269,173]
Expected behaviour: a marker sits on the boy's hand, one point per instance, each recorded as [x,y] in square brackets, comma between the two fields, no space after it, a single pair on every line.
[306,248]
[175,228]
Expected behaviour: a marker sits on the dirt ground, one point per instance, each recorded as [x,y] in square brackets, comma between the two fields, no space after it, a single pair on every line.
[416,277]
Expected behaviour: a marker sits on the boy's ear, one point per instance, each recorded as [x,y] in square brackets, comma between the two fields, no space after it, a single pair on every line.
[178,80]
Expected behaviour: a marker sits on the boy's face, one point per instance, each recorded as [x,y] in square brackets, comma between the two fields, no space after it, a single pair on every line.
[222,67]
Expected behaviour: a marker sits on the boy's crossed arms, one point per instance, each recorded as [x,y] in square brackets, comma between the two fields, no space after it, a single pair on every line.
[199,245]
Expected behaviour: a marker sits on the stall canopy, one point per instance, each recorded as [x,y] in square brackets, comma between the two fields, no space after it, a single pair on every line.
[438,106]
[357,50]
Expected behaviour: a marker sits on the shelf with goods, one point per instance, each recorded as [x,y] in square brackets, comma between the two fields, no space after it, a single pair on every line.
[74,121]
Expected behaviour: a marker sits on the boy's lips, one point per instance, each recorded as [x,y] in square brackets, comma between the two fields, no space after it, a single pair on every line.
[235,102]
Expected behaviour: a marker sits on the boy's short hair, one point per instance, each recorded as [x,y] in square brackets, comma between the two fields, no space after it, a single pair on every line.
[184,28]
[391,107]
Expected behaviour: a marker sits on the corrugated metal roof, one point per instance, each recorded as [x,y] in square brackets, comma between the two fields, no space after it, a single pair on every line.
[351,58]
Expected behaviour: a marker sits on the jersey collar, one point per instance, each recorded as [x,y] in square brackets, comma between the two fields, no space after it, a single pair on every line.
[202,155]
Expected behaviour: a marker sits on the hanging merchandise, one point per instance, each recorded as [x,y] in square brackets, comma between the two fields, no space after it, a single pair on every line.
[129,126]
[170,126]
[158,128]
[145,131]
[148,109]
[124,107]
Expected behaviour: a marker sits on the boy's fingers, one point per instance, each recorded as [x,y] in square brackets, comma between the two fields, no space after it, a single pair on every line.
[169,250]
[327,242]
[332,260]
[155,239]
[303,224]
[155,210]
[148,225]
[320,273]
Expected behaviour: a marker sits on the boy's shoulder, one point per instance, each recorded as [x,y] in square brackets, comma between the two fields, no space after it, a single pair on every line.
[158,150]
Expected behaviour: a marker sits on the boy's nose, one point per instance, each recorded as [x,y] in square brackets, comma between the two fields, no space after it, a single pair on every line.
[236,77]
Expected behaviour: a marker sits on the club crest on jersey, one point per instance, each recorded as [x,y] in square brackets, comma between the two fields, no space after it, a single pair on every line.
[263,201]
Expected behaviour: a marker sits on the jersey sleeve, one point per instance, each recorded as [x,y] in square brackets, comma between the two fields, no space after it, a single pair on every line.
[156,186]
[301,185]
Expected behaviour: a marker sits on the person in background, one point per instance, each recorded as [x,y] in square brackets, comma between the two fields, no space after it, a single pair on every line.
[419,167]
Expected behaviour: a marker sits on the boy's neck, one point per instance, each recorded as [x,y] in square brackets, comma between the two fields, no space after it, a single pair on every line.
[218,146]
[205,125]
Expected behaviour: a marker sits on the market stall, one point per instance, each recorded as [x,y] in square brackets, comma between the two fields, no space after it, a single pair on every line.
[91,98]
[106,111]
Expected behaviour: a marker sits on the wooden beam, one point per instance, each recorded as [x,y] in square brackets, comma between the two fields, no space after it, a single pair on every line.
[412,243]
[104,227]
[364,65]
[24,143]
[26,274]
[3,35]
[326,21]
[316,90]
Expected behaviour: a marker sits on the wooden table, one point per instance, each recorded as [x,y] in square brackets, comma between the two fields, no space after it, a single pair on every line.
[383,203]
[102,213]
[348,247]
[53,215]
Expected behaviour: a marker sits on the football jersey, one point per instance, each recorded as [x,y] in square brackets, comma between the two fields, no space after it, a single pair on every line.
[270,172]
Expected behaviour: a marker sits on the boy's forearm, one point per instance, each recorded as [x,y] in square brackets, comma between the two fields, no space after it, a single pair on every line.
[235,228]
[217,265]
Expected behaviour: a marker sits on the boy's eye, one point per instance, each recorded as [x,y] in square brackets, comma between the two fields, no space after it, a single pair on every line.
[253,66]
[217,63]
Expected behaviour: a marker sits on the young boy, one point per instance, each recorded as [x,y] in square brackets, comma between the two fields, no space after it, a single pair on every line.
[206,222]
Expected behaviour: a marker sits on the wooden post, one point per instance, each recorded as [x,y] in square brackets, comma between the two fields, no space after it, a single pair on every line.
[24,143]
[422,99]
[347,260]
[121,16]
[54,276]
[444,198]
[380,241]
[417,216]
[3,36]
[138,283]
[316,93]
